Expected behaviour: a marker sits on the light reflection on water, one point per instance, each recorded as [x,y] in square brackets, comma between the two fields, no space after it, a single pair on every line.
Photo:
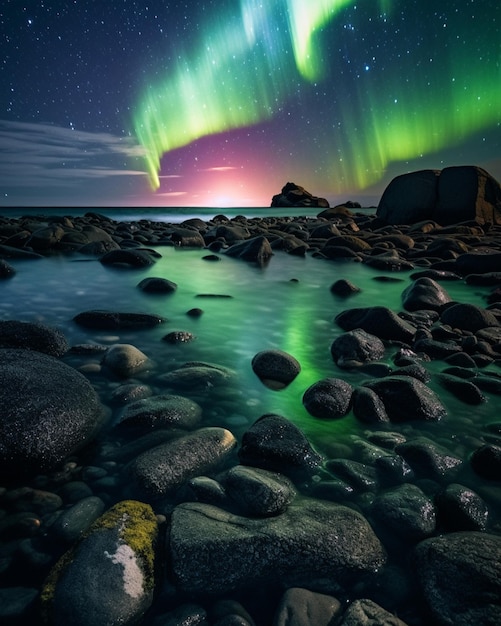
[285,305]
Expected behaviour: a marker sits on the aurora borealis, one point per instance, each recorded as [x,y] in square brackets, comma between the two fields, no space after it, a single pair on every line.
[220,103]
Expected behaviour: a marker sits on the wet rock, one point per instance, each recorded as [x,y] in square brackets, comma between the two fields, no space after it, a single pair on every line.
[258,492]
[75,521]
[187,237]
[379,321]
[275,367]
[460,508]
[407,399]
[166,467]
[199,376]
[157,285]
[125,360]
[406,511]
[184,615]
[32,336]
[463,390]
[48,410]
[257,250]
[328,398]
[178,336]
[311,540]
[356,346]
[34,500]
[368,406]
[429,459]
[301,607]
[128,259]
[367,613]
[112,320]
[424,293]
[344,288]
[460,576]
[108,577]
[436,349]
[275,443]
[468,317]
[162,411]
[409,198]
[130,392]
[486,461]
[360,476]
[207,490]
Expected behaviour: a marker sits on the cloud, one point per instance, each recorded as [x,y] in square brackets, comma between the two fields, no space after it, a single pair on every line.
[221,168]
[44,156]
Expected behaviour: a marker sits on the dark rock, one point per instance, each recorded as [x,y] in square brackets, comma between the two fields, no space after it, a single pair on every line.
[207,490]
[486,461]
[32,336]
[293,195]
[75,521]
[275,366]
[460,576]
[11,252]
[187,237]
[483,262]
[407,399]
[356,347]
[436,349]
[158,471]
[112,320]
[275,443]
[406,511]
[463,390]
[184,615]
[468,317]
[178,336]
[360,476]
[257,250]
[312,540]
[6,269]
[344,288]
[128,258]
[328,398]
[424,293]
[379,321]
[301,607]
[162,411]
[199,376]
[368,406]
[367,613]
[460,508]
[129,392]
[157,285]
[429,459]
[48,410]
[108,577]
[409,198]
[258,492]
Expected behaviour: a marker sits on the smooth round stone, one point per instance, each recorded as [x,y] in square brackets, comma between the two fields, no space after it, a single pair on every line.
[301,607]
[73,522]
[32,336]
[328,398]
[162,411]
[275,366]
[157,285]
[125,360]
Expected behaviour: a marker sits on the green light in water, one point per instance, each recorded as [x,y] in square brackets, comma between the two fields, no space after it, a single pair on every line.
[240,76]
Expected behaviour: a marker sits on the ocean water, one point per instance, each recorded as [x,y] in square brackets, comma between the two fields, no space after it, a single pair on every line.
[287,304]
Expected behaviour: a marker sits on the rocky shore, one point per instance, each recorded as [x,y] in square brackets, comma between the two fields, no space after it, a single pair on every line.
[188,523]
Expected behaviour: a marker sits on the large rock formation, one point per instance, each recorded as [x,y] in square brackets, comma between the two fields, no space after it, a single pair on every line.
[294,195]
[448,196]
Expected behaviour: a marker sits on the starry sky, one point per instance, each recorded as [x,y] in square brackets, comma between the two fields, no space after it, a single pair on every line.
[220,103]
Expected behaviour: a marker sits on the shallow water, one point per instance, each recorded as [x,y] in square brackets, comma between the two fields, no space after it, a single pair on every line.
[286,305]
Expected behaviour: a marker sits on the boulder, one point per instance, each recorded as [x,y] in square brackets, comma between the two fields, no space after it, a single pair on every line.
[198,376]
[379,321]
[162,411]
[328,398]
[275,443]
[406,399]
[293,195]
[108,577]
[301,607]
[448,196]
[125,360]
[429,459]
[460,576]
[409,198]
[112,320]
[461,508]
[128,258]
[424,293]
[312,540]
[356,347]
[366,612]
[256,250]
[469,317]
[48,411]
[275,367]
[164,468]
[32,336]
[153,284]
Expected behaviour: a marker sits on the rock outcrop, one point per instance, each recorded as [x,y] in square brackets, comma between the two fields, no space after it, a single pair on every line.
[448,196]
[294,195]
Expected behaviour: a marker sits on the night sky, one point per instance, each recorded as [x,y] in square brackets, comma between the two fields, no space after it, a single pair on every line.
[220,103]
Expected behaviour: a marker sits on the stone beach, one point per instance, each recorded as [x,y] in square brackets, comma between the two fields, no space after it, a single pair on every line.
[125,499]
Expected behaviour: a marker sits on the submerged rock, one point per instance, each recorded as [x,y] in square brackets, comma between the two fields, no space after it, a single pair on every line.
[312,540]
[112,320]
[32,336]
[108,577]
[162,411]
